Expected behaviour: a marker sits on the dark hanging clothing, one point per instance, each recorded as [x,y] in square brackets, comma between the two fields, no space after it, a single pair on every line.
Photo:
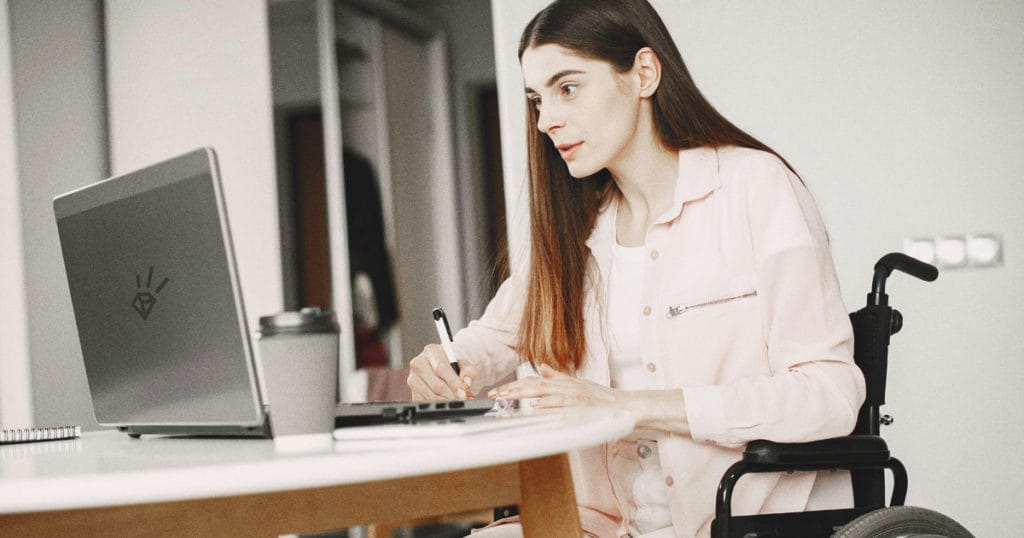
[367,248]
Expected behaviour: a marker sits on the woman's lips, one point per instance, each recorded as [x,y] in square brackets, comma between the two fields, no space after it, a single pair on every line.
[568,150]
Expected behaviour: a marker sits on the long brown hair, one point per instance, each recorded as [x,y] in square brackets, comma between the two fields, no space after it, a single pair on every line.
[562,208]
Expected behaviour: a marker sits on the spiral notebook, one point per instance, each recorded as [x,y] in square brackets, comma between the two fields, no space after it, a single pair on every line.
[28,435]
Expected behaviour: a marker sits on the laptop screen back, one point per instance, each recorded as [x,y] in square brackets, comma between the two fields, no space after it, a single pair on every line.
[156,300]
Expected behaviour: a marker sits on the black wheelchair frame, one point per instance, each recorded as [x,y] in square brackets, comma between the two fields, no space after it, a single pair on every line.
[864,453]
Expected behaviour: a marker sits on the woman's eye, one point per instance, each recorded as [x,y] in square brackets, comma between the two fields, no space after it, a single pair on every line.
[568,90]
[534,101]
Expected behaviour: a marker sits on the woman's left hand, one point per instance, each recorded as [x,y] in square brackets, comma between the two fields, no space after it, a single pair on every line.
[663,410]
[555,389]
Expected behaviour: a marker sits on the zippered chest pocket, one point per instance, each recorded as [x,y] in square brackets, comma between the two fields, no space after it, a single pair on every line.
[676,310]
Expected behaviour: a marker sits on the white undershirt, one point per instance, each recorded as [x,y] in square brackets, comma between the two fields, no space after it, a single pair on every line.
[624,289]
[638,481]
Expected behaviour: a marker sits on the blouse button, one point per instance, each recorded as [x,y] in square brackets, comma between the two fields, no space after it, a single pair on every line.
[654,254]
[669,481]
[651,367]
[643,451]
[647,311]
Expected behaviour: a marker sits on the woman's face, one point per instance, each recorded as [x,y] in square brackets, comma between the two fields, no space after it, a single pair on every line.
[589,111]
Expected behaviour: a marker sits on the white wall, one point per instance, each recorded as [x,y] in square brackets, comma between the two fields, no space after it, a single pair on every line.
[15,377]
[214,93]
[906,120]
[185,74]
[509,19]
[59,107]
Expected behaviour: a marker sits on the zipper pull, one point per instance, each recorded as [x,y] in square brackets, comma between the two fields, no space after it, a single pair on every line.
[674,311]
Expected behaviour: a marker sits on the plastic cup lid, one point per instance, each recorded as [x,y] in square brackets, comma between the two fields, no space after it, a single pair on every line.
[306,321]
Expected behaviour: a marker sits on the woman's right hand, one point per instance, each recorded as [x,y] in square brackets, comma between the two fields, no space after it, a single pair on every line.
[431,377]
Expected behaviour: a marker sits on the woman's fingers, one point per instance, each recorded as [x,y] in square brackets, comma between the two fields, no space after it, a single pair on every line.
[468,373]
[553,400]
[555,389]
[424,378]
[421,390]
[534,387]
[431,376]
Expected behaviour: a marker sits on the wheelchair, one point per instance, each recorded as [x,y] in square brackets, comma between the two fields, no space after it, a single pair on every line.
[864,453]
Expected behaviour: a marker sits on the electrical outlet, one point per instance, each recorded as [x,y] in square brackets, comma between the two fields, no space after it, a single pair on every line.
[951,251]
[984,250]
[922,248]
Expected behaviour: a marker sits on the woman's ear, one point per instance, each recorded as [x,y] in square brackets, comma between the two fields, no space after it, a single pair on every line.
[647,65]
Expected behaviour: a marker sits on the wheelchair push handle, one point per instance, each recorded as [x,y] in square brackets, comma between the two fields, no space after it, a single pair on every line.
[897,261]
[907,264]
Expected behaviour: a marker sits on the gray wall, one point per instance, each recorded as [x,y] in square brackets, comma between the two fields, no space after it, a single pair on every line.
[906,120]
[471,51]
[57,50]
[467,24]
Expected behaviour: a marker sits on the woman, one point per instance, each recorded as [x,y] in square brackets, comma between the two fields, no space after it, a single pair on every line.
[678,269]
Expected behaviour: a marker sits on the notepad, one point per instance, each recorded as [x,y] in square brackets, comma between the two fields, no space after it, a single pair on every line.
[28,435]
[448,427]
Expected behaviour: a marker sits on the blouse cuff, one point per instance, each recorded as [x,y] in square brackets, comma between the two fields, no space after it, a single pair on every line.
[705,413]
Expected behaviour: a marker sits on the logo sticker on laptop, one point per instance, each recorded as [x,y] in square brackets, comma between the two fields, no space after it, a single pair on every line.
[144,299]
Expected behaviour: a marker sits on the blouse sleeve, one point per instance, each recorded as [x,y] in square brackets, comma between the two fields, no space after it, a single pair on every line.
[815,389]
[489,343]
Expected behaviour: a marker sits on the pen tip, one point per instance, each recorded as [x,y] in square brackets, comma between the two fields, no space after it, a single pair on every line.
[438,314]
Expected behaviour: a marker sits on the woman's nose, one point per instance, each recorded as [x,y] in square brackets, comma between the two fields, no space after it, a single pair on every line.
[548,119]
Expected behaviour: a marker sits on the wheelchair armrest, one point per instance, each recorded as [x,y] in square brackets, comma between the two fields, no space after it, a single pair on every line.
[853,450]
[858,453]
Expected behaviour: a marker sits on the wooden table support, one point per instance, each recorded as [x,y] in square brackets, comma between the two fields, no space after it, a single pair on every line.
[547,498]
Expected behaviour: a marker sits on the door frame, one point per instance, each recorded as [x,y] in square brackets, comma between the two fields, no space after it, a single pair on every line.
[442,172]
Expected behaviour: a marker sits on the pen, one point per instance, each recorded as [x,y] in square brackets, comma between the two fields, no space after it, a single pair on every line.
[444,333]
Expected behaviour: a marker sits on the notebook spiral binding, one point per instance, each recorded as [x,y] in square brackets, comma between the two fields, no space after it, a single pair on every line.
[29,435]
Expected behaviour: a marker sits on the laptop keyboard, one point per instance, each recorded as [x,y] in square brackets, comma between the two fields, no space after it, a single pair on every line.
[406,412]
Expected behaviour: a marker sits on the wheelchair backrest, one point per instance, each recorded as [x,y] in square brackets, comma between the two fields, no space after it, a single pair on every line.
[872,326]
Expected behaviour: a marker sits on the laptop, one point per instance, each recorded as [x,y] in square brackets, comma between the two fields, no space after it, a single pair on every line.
[159,312]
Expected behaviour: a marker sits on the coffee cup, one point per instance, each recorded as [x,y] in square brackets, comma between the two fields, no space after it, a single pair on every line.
[299,358]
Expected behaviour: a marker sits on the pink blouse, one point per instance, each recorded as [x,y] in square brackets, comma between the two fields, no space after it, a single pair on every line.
[742,312]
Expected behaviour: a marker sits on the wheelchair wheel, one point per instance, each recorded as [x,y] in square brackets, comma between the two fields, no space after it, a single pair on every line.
[903,522]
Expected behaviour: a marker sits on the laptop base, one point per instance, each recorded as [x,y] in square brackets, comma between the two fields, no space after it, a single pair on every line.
[346,415]
[258,431]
